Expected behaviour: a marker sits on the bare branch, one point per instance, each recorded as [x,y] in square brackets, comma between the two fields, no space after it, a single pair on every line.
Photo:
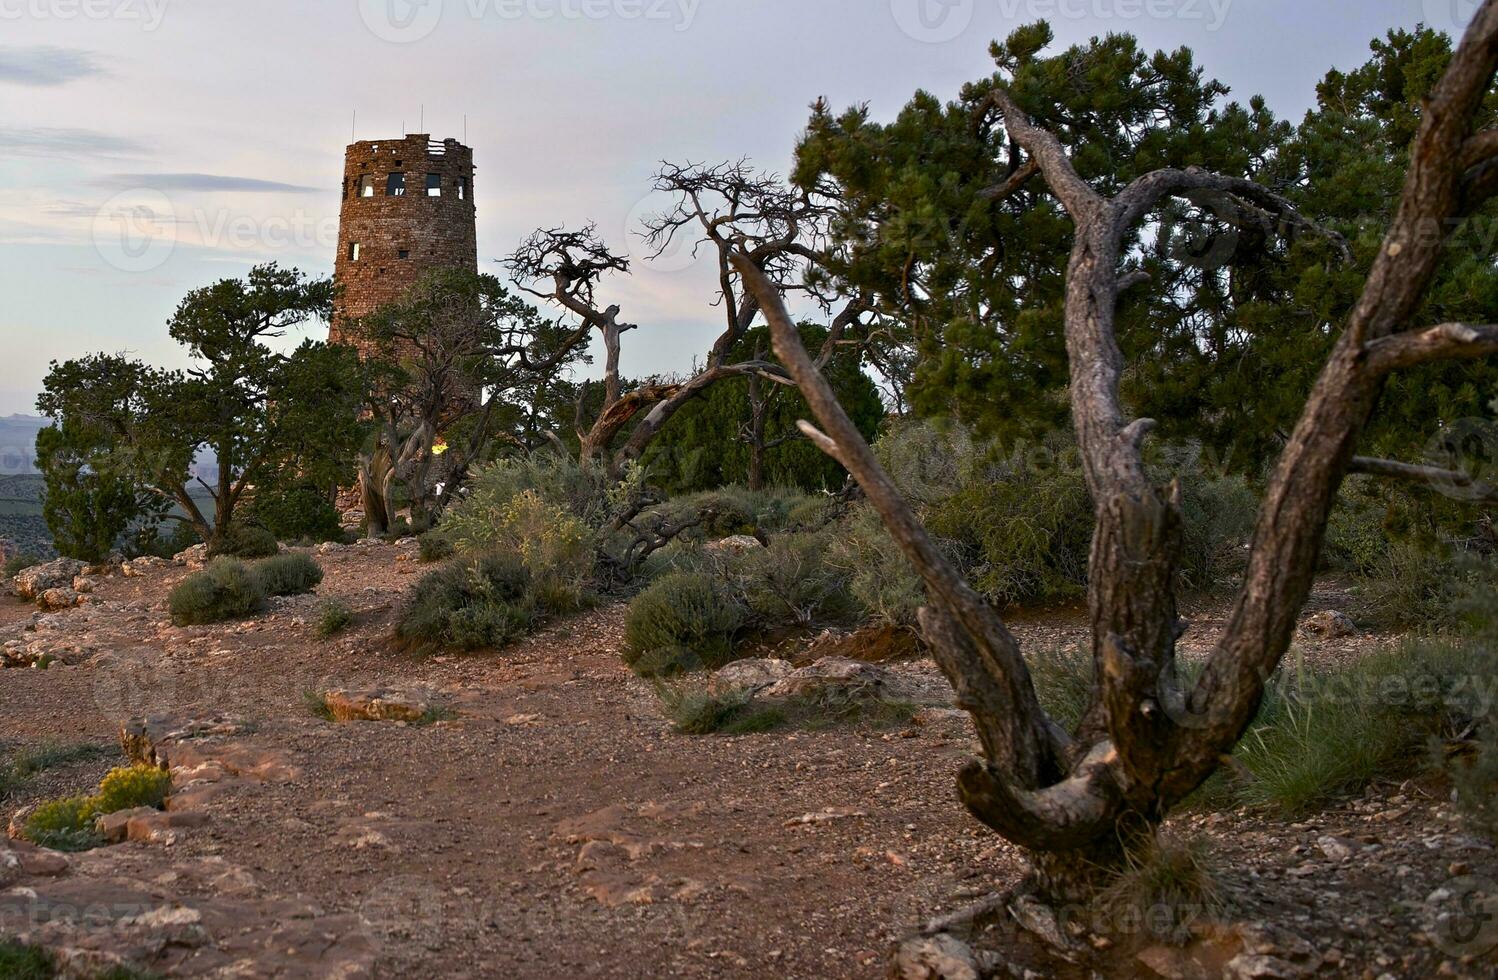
[1447,341]
[1430,476]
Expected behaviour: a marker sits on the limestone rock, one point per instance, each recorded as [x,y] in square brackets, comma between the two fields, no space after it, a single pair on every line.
[115,827]
[939,957]
[751,675]
[736,545]
[31,583]
[375,706]
[63,597]
[1329,624]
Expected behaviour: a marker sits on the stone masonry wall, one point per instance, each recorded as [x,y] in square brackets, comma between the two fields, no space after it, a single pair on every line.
[400,236]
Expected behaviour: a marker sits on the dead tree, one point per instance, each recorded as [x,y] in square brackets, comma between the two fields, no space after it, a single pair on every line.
[565,268]
[1076,800]
[731,209]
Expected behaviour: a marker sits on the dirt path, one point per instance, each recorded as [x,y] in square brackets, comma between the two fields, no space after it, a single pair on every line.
[557,827]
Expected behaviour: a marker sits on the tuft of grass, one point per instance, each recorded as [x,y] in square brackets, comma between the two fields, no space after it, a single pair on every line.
[226,589]
[435,714]
[18,962]
[1063,682]
[317,704]
[333,617]
[1324,734]
[293,573]
[1165,886]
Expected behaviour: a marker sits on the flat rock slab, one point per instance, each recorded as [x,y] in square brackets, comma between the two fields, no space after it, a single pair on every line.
[376,705]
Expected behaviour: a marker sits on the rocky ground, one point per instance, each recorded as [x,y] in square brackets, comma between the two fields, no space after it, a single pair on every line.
[547,822]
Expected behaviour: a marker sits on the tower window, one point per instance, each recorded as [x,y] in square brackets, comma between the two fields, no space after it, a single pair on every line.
[395,185]
[434,185]
[405,253]
[366,186]
[462,188]
[353,251]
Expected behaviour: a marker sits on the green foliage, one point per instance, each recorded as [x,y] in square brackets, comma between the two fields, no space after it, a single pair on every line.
[92,495]
[299,511]
[333,617]
[1325,733]
[1165,887]
[880,579]
[293,573]
[469,604]
[129,787]
[683,621]
[435,546]
[263,413]
[479,522]
[64,825]
[244,541]
[226,589]
[68,824]
[790,582]
[702,448]
[19,962]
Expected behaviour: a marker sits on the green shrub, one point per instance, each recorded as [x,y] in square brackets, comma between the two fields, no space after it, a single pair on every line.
[681,622]
[298,512]
[482,521]
[790,582]
[19,962]
[245,541]
[128,787]
[434,546]
[64,825]
[333,617]
[469,604]
[293,573]
[1219,512]
[226,589]
[880,579]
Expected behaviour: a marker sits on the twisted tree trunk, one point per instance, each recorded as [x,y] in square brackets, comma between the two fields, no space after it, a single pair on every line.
[1077,802]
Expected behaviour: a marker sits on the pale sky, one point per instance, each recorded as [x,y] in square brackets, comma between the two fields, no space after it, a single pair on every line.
[227,120]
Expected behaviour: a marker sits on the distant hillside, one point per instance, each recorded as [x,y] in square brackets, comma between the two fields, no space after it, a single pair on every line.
[22,528]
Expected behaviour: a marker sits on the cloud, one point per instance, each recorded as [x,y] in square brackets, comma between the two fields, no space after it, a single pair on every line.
[205,182]
[48,142]
[45,66]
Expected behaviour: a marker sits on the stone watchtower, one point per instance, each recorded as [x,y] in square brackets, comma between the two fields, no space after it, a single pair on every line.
[407,208]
